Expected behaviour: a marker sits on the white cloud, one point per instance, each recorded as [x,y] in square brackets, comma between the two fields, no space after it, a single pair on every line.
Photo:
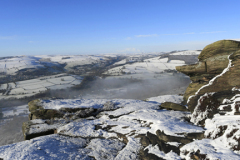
[212,32]
[148,35]
[175,34]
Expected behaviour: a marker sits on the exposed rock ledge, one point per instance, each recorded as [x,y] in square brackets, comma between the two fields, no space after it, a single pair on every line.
[108,129]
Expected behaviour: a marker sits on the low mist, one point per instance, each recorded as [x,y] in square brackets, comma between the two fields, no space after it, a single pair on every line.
[135,89]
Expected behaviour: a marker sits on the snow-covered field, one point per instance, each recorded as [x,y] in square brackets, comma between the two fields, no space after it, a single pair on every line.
[16,111]
[74,60]
[14,64]
[32,87]
[147,69]
[189,52]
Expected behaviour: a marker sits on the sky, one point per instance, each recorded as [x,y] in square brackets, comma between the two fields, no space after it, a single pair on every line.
[51,27]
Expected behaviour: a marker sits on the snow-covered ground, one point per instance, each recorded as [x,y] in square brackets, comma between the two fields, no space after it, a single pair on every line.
[73,60]
[14,64]
[189,52]
[99,136]
[80,139]
[167,98]
[15,111]
[148,69]
[32,87]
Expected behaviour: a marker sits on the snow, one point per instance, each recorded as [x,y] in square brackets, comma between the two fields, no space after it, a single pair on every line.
[130,111]
[168,121]
[46,147]
[233,102]
[190,52]
[212,148]
[84,128]
[169,156]
[198,115]
[32,87]
[74,103]
[149,68]
[129,105]
[3,86]
[73,60]
[131,118]
[129,152]
[167,98]
[223,131]
[124,61]
[174,143]
[15,111]
[104,148]
[42,126]
[13,65]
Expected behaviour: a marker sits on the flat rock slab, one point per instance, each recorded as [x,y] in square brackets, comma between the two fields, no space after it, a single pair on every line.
[173,106]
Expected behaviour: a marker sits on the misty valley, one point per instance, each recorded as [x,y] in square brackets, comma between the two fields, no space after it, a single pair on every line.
[26,78]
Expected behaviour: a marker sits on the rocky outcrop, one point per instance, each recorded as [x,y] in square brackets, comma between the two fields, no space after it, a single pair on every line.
[213,77]
[46,121]
[38,112]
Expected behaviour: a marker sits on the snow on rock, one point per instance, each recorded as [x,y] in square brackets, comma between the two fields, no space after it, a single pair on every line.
[112,134]
[224,129]
[130,151]
[123,106]
[198,115]
[46,147]
[104,148]
[84,128]
[167,98]
[169,156]
[233,103]
[168,121]
[207,149]
[73,103]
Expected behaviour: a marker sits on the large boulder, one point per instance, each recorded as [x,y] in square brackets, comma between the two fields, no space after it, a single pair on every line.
[213,78]
[223,47]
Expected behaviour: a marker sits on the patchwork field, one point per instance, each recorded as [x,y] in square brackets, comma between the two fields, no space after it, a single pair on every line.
[32,87]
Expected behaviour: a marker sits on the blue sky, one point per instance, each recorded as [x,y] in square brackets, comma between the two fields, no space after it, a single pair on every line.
[34,27]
